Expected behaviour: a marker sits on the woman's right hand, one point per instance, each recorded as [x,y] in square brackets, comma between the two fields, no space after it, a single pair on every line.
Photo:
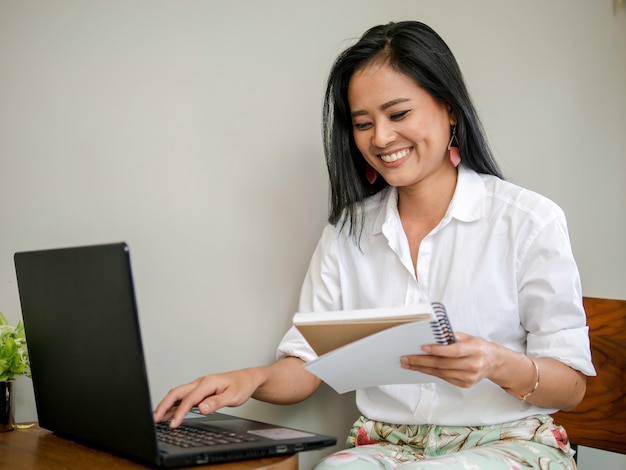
[284,382]
[208,393]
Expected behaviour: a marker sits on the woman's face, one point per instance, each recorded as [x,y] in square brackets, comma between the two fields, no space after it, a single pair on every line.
[402,132]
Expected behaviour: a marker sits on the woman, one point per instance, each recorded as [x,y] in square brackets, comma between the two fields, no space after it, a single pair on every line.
[420,213]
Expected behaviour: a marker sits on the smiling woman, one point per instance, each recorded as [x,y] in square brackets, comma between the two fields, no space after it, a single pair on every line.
[400,130]
[409,75]
[408,226]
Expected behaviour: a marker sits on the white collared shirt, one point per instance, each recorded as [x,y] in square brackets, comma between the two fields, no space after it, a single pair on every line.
[500,261]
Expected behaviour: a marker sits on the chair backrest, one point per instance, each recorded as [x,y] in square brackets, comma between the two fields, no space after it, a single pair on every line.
[599,421]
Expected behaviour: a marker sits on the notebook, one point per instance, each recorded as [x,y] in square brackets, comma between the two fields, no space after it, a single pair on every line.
[327,331]
[88,370]
[362,348]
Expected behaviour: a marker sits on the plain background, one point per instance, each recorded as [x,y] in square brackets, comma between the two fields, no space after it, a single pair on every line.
[191,130]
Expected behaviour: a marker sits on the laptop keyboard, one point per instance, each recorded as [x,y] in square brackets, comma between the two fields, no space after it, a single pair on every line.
[188,436]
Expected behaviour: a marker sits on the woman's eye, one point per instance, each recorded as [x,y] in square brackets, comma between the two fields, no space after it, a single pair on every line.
[361,126]
[398,116]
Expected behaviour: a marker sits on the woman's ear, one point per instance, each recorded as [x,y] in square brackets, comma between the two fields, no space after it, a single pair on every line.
[452,115]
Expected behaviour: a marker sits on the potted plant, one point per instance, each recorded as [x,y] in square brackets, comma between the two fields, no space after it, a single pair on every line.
[13,361]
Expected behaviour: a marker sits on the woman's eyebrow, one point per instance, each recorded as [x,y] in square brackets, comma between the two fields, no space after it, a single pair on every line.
[389,104]
[386,105]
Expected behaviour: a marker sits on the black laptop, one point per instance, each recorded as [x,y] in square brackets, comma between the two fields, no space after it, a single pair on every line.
[88,369]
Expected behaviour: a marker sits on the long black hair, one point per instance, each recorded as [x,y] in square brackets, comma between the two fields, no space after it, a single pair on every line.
[414,49]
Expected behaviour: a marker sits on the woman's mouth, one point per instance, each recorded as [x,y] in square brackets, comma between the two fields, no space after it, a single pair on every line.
[392,157]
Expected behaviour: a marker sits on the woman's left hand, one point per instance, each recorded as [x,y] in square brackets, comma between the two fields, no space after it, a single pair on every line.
[472,359]
[463,363]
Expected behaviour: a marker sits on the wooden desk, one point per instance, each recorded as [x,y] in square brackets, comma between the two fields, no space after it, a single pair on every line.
[34,448]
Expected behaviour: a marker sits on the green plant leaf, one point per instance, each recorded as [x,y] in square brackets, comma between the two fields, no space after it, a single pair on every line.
[14,358]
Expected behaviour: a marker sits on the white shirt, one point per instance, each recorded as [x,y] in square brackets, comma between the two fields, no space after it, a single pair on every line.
[500,261]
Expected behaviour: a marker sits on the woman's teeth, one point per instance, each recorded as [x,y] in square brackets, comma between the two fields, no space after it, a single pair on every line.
[392,157]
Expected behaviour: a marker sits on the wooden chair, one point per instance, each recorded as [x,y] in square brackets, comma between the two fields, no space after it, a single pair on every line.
[599,421]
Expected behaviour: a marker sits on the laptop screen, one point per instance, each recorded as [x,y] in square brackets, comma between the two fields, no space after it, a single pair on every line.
[85,348]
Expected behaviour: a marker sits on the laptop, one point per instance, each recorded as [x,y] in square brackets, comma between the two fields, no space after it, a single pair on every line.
[88,370]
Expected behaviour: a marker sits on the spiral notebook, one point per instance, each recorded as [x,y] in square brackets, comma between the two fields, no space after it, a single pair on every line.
[362,348]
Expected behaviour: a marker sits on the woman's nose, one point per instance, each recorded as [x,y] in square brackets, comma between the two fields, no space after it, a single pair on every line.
[383,135]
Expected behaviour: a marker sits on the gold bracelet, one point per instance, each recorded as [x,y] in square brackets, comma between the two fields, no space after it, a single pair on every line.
[524,397]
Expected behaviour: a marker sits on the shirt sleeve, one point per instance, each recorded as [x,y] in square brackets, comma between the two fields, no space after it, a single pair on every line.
[550,298]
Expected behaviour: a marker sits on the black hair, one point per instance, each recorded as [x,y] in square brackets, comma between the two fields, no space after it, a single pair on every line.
[416,50]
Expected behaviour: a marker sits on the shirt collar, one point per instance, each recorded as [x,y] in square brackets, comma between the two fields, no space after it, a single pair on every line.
[468,201]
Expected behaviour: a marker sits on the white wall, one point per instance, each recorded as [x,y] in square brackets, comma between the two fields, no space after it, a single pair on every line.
[191,130]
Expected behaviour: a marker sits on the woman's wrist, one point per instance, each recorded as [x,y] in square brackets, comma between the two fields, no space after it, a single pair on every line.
[522,395]
[515,372]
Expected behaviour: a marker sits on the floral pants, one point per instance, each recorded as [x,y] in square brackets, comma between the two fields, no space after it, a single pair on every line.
[534,442]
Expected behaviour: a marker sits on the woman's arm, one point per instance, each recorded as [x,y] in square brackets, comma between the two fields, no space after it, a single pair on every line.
[545,382]
[472,359]
[284,382]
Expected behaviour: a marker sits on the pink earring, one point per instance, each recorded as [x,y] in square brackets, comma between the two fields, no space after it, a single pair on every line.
[370,174]
[455,154]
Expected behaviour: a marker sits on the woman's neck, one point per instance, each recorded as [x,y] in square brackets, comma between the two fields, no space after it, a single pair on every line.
[422,206]
[427,200]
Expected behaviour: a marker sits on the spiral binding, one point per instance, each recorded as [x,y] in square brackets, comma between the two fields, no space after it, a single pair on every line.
[441,326]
